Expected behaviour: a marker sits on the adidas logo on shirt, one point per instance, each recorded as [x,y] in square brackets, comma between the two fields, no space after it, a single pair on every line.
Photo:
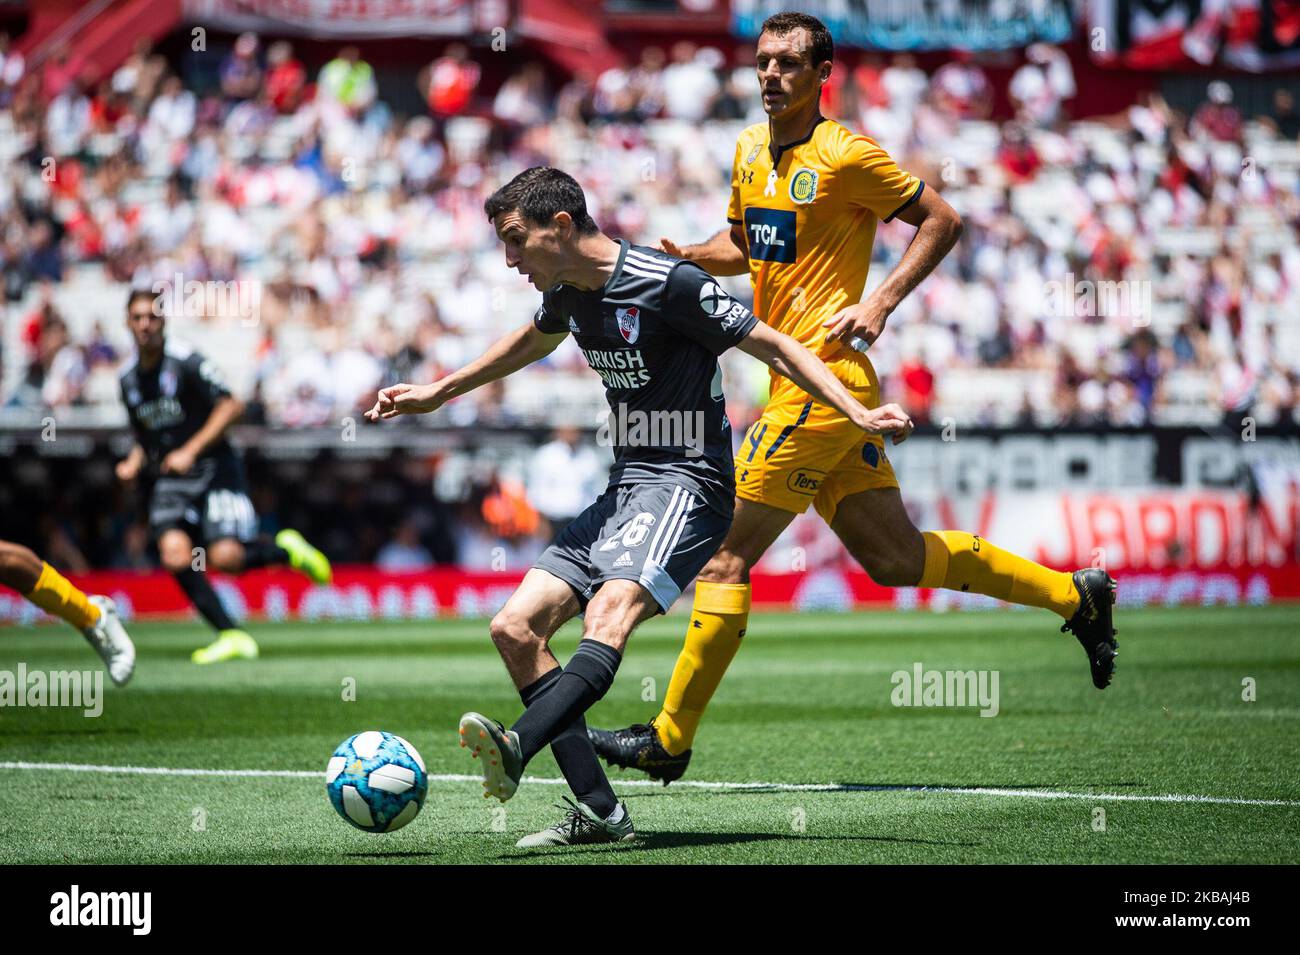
[624,560]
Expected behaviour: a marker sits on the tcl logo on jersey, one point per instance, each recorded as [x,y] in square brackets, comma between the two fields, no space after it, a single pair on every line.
[771,234]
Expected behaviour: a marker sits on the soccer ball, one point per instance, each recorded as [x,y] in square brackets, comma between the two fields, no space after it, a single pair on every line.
[376,781]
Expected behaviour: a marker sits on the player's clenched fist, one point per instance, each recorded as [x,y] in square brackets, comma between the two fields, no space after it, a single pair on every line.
[888,419]
[405,399]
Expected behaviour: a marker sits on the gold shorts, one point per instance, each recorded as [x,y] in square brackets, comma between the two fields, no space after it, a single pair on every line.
[796,454]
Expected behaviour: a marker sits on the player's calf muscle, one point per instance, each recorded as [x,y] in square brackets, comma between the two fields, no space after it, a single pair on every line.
[725,567]
[895,567]
[19,567]
[615,612]
[754,529]
[875,528]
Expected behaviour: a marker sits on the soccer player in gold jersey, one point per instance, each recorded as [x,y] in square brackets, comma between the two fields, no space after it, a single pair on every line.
[806,194]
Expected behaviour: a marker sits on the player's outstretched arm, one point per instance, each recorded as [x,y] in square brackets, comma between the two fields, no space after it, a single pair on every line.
[787,357]
[521,347]
[938,227]
[723,254]
[129,467]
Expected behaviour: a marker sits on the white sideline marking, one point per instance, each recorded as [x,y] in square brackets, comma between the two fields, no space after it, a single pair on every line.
[681,784]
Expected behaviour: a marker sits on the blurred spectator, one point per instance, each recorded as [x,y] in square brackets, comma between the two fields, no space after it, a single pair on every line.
[67,120]
[449,82]
[564,476]
[404,552]
[241,77]
[1285,118]
[1041,85]
[522,99]
[286,80]
[12,69]
[171,115]
[690,83]
[44,258]
[1017,157]
[1218,117]
[348,81]
[961,89]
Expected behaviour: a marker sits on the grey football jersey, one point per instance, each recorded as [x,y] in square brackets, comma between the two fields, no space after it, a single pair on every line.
[653,334]
[171,401]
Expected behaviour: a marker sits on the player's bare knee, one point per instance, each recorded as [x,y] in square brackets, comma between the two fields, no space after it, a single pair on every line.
[176,551]
[226,556]
[513,634]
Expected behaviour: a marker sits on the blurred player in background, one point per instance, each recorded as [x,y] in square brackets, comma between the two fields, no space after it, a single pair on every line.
[180,411]
[806,195]
[95,616]
[652,327]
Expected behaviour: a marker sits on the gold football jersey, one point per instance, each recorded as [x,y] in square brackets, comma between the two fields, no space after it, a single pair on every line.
[809,210]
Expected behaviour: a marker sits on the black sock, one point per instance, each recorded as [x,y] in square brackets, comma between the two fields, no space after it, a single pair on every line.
[199,589]
[585,680]
[573,753]
[264,552]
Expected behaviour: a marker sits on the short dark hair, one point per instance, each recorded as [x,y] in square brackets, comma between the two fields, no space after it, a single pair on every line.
[538,194]
[139,291]
[779,24]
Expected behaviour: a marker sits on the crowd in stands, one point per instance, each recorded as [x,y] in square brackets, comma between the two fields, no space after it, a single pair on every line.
[1137,269]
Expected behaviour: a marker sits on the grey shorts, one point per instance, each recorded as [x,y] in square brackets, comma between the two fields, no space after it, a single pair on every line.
[209,503]
[659,535]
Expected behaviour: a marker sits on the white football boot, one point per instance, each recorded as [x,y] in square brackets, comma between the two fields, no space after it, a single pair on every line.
[111,642]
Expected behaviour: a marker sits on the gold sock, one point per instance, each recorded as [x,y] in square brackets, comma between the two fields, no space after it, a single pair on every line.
[717,625]
[956,560]
[55,594]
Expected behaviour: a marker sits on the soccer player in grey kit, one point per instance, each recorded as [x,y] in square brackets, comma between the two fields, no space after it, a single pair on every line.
[652,326]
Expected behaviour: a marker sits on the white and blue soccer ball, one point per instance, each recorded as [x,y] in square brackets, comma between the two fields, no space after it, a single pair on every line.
[376,781]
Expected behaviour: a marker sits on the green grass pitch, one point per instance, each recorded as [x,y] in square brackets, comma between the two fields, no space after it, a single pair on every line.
[808,701]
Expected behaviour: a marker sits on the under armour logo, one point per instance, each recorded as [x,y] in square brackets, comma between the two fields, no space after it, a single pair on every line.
[746,177]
